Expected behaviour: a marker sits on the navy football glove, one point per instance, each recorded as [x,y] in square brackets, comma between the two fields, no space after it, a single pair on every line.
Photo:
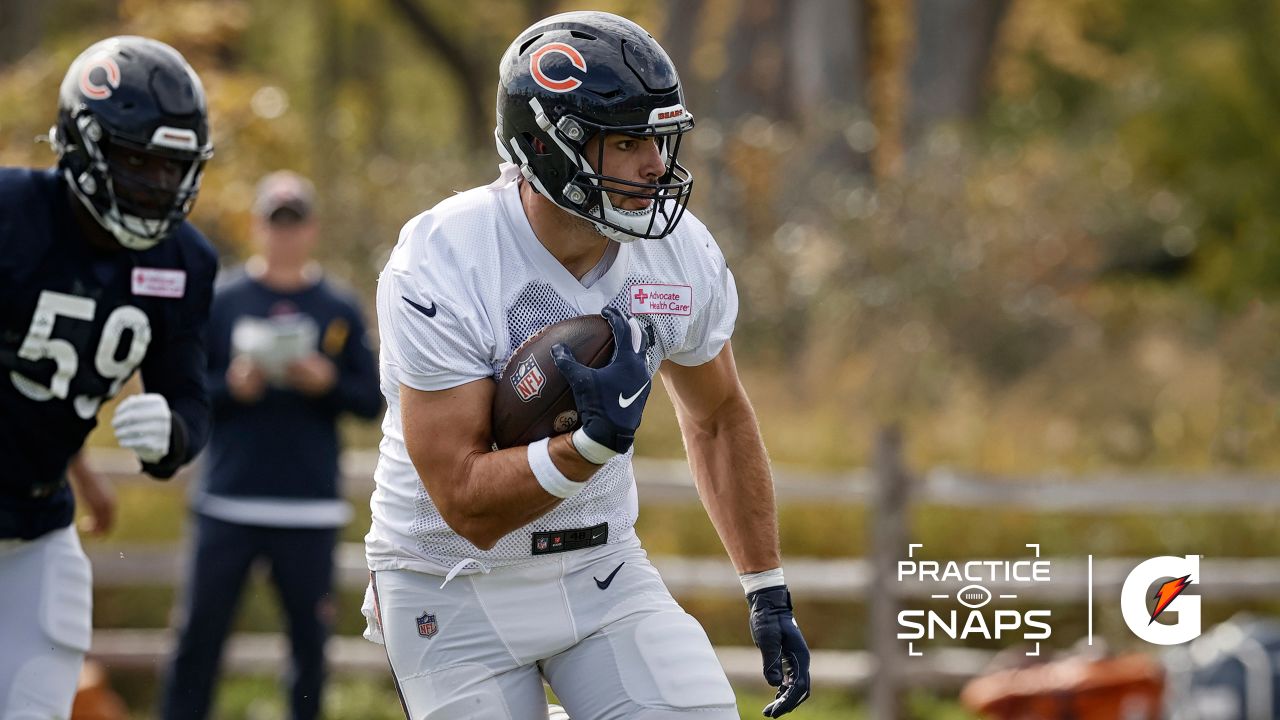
[785,654]
[611,399]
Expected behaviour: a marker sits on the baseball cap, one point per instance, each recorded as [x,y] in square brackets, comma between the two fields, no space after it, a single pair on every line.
[285,195]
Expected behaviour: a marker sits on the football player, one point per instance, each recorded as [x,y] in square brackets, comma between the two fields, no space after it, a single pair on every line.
[100,275]
[492,570]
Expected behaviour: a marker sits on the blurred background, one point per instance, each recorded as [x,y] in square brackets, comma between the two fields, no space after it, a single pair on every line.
[1038,237]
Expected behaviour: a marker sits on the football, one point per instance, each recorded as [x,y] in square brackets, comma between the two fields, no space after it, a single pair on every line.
[533,400]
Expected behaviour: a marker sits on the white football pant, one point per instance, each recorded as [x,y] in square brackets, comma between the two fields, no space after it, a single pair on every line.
[598,624]
[46,609]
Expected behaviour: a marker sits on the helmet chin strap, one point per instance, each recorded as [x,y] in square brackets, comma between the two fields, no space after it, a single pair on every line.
[131,231]
[127,239]
[637,220]
[612,234]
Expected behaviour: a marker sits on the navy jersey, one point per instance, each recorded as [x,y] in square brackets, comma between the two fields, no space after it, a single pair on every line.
[75,323]
[254,448]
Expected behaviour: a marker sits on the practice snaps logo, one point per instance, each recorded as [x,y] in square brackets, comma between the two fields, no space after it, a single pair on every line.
[979,585]
[1173,617]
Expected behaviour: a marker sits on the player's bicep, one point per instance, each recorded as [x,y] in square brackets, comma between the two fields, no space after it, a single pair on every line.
[444,429]
[703,393]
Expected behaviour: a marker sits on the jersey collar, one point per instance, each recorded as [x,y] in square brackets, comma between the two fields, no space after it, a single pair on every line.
[589,300]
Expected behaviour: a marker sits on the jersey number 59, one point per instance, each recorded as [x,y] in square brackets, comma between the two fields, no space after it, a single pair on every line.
[40,344]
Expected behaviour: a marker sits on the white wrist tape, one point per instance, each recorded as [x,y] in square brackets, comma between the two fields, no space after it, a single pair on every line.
[752,582]
[590,450]
[548,475]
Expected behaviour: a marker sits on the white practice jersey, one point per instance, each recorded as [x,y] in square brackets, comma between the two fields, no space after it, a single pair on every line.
[466,284]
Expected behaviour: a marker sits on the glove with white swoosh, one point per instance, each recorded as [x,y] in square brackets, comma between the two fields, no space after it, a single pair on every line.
[610,399]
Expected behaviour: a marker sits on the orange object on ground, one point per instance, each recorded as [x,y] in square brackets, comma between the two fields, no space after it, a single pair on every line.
[1127,687]
[95,700]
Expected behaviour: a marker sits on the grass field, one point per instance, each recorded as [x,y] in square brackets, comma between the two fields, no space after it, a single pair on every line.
[261,698]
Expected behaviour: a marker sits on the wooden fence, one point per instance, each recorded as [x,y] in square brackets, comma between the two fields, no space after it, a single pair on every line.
[888,488]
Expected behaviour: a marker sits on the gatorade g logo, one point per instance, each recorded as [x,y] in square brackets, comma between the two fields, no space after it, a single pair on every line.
[1162,579]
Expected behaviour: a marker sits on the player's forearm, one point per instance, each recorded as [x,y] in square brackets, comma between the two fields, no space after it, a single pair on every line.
[79,474]
[496,492]
[731,469]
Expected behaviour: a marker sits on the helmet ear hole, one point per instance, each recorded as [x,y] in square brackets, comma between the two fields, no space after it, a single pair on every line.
[538,146]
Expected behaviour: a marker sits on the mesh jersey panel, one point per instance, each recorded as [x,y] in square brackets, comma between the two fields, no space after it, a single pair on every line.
[474,259]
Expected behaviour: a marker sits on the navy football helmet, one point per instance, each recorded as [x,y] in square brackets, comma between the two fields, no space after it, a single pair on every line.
[573,76]
[132,137]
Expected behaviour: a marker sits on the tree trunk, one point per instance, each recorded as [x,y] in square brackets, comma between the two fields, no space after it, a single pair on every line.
[21,28]
[890,32]
[826,46]
[679,38]
[473,81]
[954,41]
[756,80]
[327,64]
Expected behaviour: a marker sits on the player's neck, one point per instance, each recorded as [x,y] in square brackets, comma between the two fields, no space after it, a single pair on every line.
[570,240]
[281,276]
[95,235]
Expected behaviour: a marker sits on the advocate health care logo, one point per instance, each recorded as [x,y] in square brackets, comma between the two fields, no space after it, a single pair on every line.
[977,616]
[1153,600]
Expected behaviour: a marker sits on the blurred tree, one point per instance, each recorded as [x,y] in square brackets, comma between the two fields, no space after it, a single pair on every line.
[891,42]
[827,40]
[954,43]
[680,36]
[327,65]
[471,73]
[538,9]
[1188,96]
[21,27]
[755,79]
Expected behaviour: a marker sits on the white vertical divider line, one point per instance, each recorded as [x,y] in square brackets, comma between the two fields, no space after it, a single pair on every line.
[1090,575]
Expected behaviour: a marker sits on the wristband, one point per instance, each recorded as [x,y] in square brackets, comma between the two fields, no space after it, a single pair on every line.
[548,475]
[590,450]
[752,582]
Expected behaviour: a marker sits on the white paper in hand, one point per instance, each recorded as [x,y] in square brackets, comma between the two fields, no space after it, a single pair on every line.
[272,343]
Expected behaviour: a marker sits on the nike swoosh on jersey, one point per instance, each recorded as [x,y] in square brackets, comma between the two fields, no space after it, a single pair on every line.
[625,402]
[602,584]
[428,311]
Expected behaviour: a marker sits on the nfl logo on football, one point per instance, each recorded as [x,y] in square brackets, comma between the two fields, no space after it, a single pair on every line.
[427,626]
[528,379]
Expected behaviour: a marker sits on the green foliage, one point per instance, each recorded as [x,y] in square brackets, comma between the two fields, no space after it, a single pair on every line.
[1188,96]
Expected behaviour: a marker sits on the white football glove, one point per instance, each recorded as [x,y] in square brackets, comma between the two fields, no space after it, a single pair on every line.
[142,424]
